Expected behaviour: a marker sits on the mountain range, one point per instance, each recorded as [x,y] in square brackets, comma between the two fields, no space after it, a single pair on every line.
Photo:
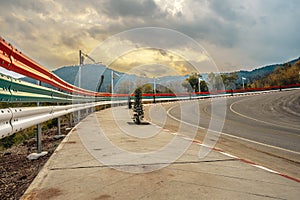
[261,72]
[91,76]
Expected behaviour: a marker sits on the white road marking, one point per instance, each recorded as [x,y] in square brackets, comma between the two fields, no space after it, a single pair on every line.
[230,155]
[227,154]
[258,120]
[229,135]
[265,168]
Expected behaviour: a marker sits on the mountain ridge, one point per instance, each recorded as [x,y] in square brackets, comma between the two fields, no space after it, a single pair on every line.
[91,75]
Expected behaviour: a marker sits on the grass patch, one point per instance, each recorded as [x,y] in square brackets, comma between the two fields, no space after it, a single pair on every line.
[17,138]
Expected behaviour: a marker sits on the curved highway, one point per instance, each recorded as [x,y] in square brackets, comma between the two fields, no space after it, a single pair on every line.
[271,119]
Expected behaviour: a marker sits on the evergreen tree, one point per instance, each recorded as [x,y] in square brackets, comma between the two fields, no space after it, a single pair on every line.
[138,106]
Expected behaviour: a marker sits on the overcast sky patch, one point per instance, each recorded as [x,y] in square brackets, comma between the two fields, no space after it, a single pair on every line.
[237,34]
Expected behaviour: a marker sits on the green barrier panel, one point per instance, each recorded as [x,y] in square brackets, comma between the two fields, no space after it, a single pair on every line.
[102,98]
[22,86]
[5,82]
[27,92]
[81,99]
[61,97]
[14,90]
[29,97]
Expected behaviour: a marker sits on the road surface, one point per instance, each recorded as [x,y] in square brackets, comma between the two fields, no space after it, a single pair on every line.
[272,119]
[261,128]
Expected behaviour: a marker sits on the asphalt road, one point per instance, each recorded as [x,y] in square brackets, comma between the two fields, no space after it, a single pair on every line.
[271,119]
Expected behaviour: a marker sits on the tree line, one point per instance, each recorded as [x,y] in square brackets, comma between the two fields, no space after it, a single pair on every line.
[285,74]
[215,82]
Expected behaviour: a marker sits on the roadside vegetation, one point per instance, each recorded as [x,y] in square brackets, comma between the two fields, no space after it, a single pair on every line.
[27,134]
[285,74]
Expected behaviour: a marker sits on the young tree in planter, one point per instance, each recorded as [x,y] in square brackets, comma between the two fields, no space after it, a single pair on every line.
[138,114]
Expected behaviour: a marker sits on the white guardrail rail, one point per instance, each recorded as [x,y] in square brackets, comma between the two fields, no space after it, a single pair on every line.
[13,120]
[16,119]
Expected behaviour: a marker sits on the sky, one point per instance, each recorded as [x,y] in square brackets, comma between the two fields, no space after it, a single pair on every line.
[234,34]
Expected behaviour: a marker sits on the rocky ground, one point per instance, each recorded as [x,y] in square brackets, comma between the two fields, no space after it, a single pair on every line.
[16,171]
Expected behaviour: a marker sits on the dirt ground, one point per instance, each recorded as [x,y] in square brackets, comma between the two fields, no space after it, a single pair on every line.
[17,172]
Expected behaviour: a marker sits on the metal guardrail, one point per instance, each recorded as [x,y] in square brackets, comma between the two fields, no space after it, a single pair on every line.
[12,90]
[13,60]
[13,120]
[15,90]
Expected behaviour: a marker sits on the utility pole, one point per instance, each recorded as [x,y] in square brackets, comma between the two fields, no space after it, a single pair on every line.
[243,79]
[112,83]
[154,90]
[199,81]
[79,79]
[79,70]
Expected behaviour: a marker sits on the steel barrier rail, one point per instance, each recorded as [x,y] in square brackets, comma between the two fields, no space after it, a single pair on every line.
[5,82]
[5,122]
[26,117]
[15,90]
[16,119]
[13,60]
[13,120]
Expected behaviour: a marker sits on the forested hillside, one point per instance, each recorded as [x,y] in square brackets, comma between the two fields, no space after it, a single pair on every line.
[285,74]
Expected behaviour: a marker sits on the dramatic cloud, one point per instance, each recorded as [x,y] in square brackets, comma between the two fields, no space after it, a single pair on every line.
[237,34]
[153,63]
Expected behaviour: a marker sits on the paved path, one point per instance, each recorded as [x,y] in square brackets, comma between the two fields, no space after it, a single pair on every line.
[135,170]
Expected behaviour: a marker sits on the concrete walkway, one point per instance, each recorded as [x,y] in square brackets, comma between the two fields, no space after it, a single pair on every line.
[106,156]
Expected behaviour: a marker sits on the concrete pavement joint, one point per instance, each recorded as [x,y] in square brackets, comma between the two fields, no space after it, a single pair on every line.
[143,164]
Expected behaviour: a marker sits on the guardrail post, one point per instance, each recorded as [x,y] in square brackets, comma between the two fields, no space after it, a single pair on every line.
[70,120]
[39,138]
[59,135]
[39,130]
[58,126]
[34,156]
[78,116]
[86,111]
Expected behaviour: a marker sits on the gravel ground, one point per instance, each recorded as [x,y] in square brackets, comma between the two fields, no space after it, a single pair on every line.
[16,171]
